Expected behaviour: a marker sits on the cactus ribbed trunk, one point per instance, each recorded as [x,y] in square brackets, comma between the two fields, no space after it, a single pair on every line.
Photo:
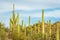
[29,21]
[24,29]
[50,29]
[13,19]
[18,23]
[30,26]
[13,13]
[57,32]
[43,23]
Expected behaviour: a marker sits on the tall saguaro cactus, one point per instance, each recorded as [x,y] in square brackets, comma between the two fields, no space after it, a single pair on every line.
[18,23]
[30,25]
[24,29]
[29,21]
[15,25]
[43,22]
[12,20]
[50,29]
[57,32]
[13,12]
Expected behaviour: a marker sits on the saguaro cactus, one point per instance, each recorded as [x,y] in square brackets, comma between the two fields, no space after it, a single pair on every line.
[50,29]
[12,20]
[18,22]
[15,25]
[13,12]
[57,32]
[24,29]
[30,25]
[43,22]
[50,25]
[29,21]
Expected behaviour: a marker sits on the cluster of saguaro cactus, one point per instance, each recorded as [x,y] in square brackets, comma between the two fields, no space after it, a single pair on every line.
[14,25]
[19,31]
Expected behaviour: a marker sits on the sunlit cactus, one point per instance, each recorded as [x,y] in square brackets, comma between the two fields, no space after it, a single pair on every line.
[18,22]
[38,26]
[18,26]
[18,35]
[24,29]
[12,19]
[49,28]
[15,25]
[30,25]
[29,21]
[13,12]
[57,32]
[43,23]
[32,32]
[50,25]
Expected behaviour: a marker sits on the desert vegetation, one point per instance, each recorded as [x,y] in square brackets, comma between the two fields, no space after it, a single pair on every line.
[37,31]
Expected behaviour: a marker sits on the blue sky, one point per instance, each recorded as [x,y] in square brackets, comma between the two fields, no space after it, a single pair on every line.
[31,8]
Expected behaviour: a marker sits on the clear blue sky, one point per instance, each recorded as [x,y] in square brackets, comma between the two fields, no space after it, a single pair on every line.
[30,8]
